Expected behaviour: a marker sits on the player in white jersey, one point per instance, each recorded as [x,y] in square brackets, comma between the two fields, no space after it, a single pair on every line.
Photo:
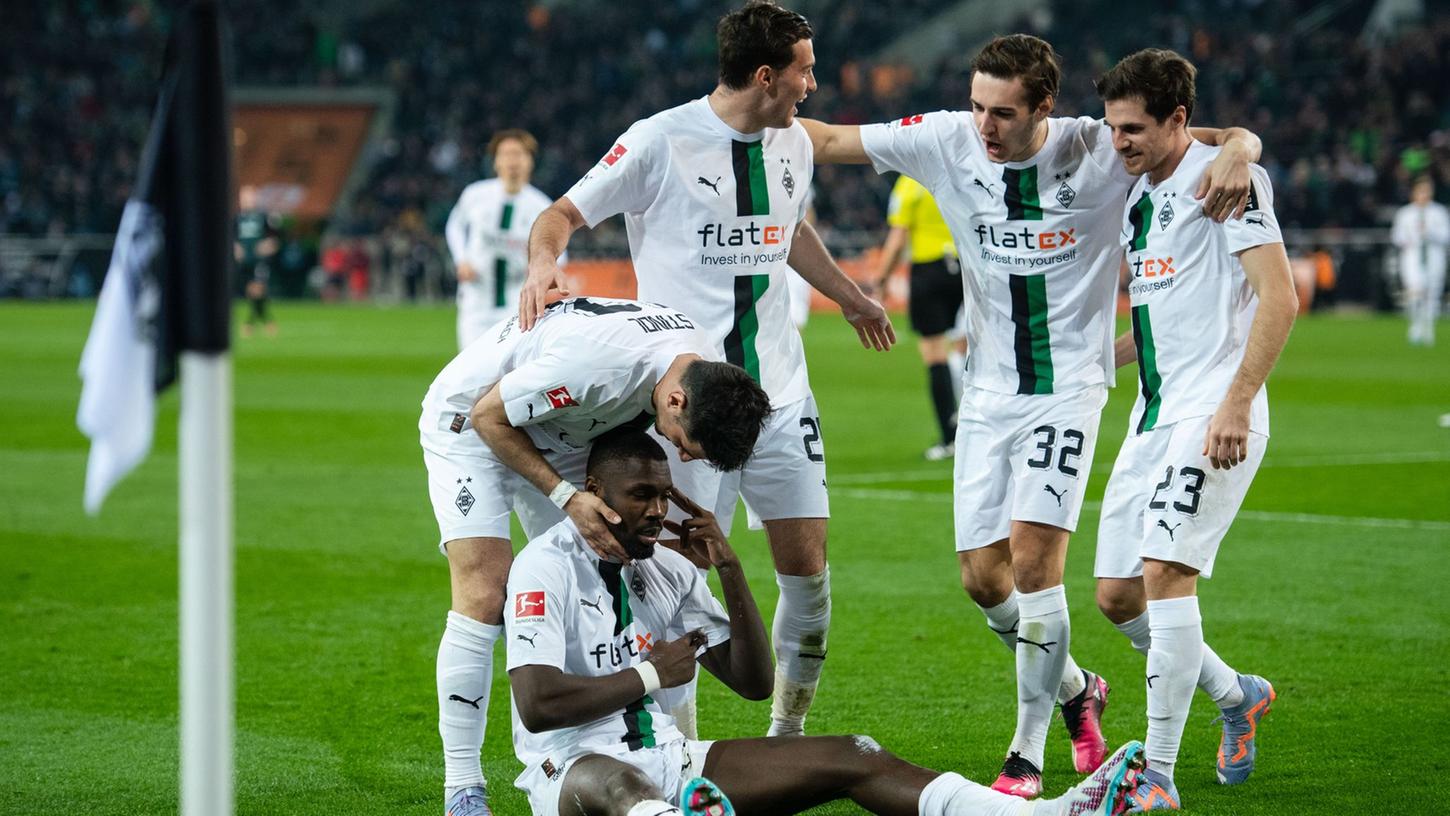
[713,194]
[1033,203]
[1421,231]
[1212,307]
[488,235]
[593,641]
[508,424]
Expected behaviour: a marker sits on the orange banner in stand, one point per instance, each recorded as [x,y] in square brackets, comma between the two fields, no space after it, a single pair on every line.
[298,156]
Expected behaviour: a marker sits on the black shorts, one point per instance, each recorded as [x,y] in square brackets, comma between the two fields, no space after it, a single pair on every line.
[936,296]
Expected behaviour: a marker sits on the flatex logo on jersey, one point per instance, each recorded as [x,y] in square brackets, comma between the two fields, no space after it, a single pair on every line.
[1151,274]
[627,644]
[529,606]
[1028,248]
[753,242]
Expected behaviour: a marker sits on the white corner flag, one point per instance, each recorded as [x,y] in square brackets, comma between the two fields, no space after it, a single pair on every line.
[118,366]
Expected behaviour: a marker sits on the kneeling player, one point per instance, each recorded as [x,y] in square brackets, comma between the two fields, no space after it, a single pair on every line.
[1212,308]
[592,640]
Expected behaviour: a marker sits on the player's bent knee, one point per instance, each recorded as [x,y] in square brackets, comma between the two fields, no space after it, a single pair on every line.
[1120,600]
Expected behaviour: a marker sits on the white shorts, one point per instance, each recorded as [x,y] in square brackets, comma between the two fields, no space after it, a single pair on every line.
[669,766]
[1022,458]
[1165,501]
[785,477]
[472,491]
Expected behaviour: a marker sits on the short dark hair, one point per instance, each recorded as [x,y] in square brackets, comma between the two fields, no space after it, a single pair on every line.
[519,135]
[724,411]
[1163,79]
[623,444]
[1025,57]
[760,33]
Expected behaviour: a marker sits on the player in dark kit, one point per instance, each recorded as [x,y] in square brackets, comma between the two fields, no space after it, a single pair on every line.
[255,248]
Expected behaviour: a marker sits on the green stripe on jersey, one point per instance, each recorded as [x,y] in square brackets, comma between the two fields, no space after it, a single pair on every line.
[1140,218]
[1148,378]
[501,264]
[1021,194]
[740,342]
[748,164]
[1033,347]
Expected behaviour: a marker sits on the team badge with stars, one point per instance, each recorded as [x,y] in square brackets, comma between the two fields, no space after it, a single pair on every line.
[788,182]
[1066,195]
[465,500]
[637,584]
[1165,216]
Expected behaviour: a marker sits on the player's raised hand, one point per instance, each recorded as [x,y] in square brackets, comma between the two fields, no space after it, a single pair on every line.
[546,283]
[674,660]
[872,324]
[1227,442]
[1224,189]
[466,273]
[701,538]
[593,517]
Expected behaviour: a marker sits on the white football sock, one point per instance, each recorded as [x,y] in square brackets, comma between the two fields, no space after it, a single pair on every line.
[465,674]
[1002,619]
[1043,639]
[1217,679]
[953,795]
[1174,659]
[802,619]
[653,807]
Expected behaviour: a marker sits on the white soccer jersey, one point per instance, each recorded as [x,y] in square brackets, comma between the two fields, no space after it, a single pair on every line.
[1192,304]
[711,213]
[588,366]
[488,229]
[592,618]
[1036,239]
[1422,232]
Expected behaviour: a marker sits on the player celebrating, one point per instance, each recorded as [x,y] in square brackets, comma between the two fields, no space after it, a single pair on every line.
[714,196]
[934,298]
[592,641]
[1212,308]
[513,412]
[488,234]
[1033,202]
[1422,232]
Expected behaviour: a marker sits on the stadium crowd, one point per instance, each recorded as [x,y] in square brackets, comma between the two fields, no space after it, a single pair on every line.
[1346,119]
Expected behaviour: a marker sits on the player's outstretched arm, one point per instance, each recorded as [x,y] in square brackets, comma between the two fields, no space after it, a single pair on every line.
[1225,187]
[743,663]
[809,257]
[835,144]
[1267,269]
[514,448]
[547,698]
[547,241]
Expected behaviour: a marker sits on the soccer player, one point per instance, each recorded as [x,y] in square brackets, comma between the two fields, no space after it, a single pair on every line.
[1033,202]
[713,193]
[508,424]
[488,234]
[1422,233]
[935,295]
[255,249]
[1212,307]
[592,640]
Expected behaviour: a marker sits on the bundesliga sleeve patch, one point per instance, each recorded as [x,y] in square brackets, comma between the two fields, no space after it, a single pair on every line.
[559,397]
[914,119]
[615,154]
[529,606]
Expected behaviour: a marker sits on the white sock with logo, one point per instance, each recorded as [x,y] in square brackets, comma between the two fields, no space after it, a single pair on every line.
[802,620]
[465,674]
[1174,660]
[1043,639]
[1217,679]
[952,794]
[1003,620]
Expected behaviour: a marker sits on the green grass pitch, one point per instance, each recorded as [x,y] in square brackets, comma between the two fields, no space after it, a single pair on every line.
[1332,583]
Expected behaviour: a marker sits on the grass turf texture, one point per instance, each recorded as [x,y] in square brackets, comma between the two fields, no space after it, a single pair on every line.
[1331,584]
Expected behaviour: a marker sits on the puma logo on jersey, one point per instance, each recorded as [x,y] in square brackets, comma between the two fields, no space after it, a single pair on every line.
[987,187]
[1164,525]
[593,604]
[711,185]
[473,702]
[529,640]
[1256,220]
[1055,494]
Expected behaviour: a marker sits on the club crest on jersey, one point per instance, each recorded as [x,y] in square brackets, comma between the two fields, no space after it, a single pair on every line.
[559,397]
[1066,195]
[788,182]
[637,584]
[465,501]
[908,121]
[529,606]
[1165,215]
[615,154]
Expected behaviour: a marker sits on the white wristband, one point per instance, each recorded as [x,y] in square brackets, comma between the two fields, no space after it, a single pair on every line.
[562,493]
[648,674]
